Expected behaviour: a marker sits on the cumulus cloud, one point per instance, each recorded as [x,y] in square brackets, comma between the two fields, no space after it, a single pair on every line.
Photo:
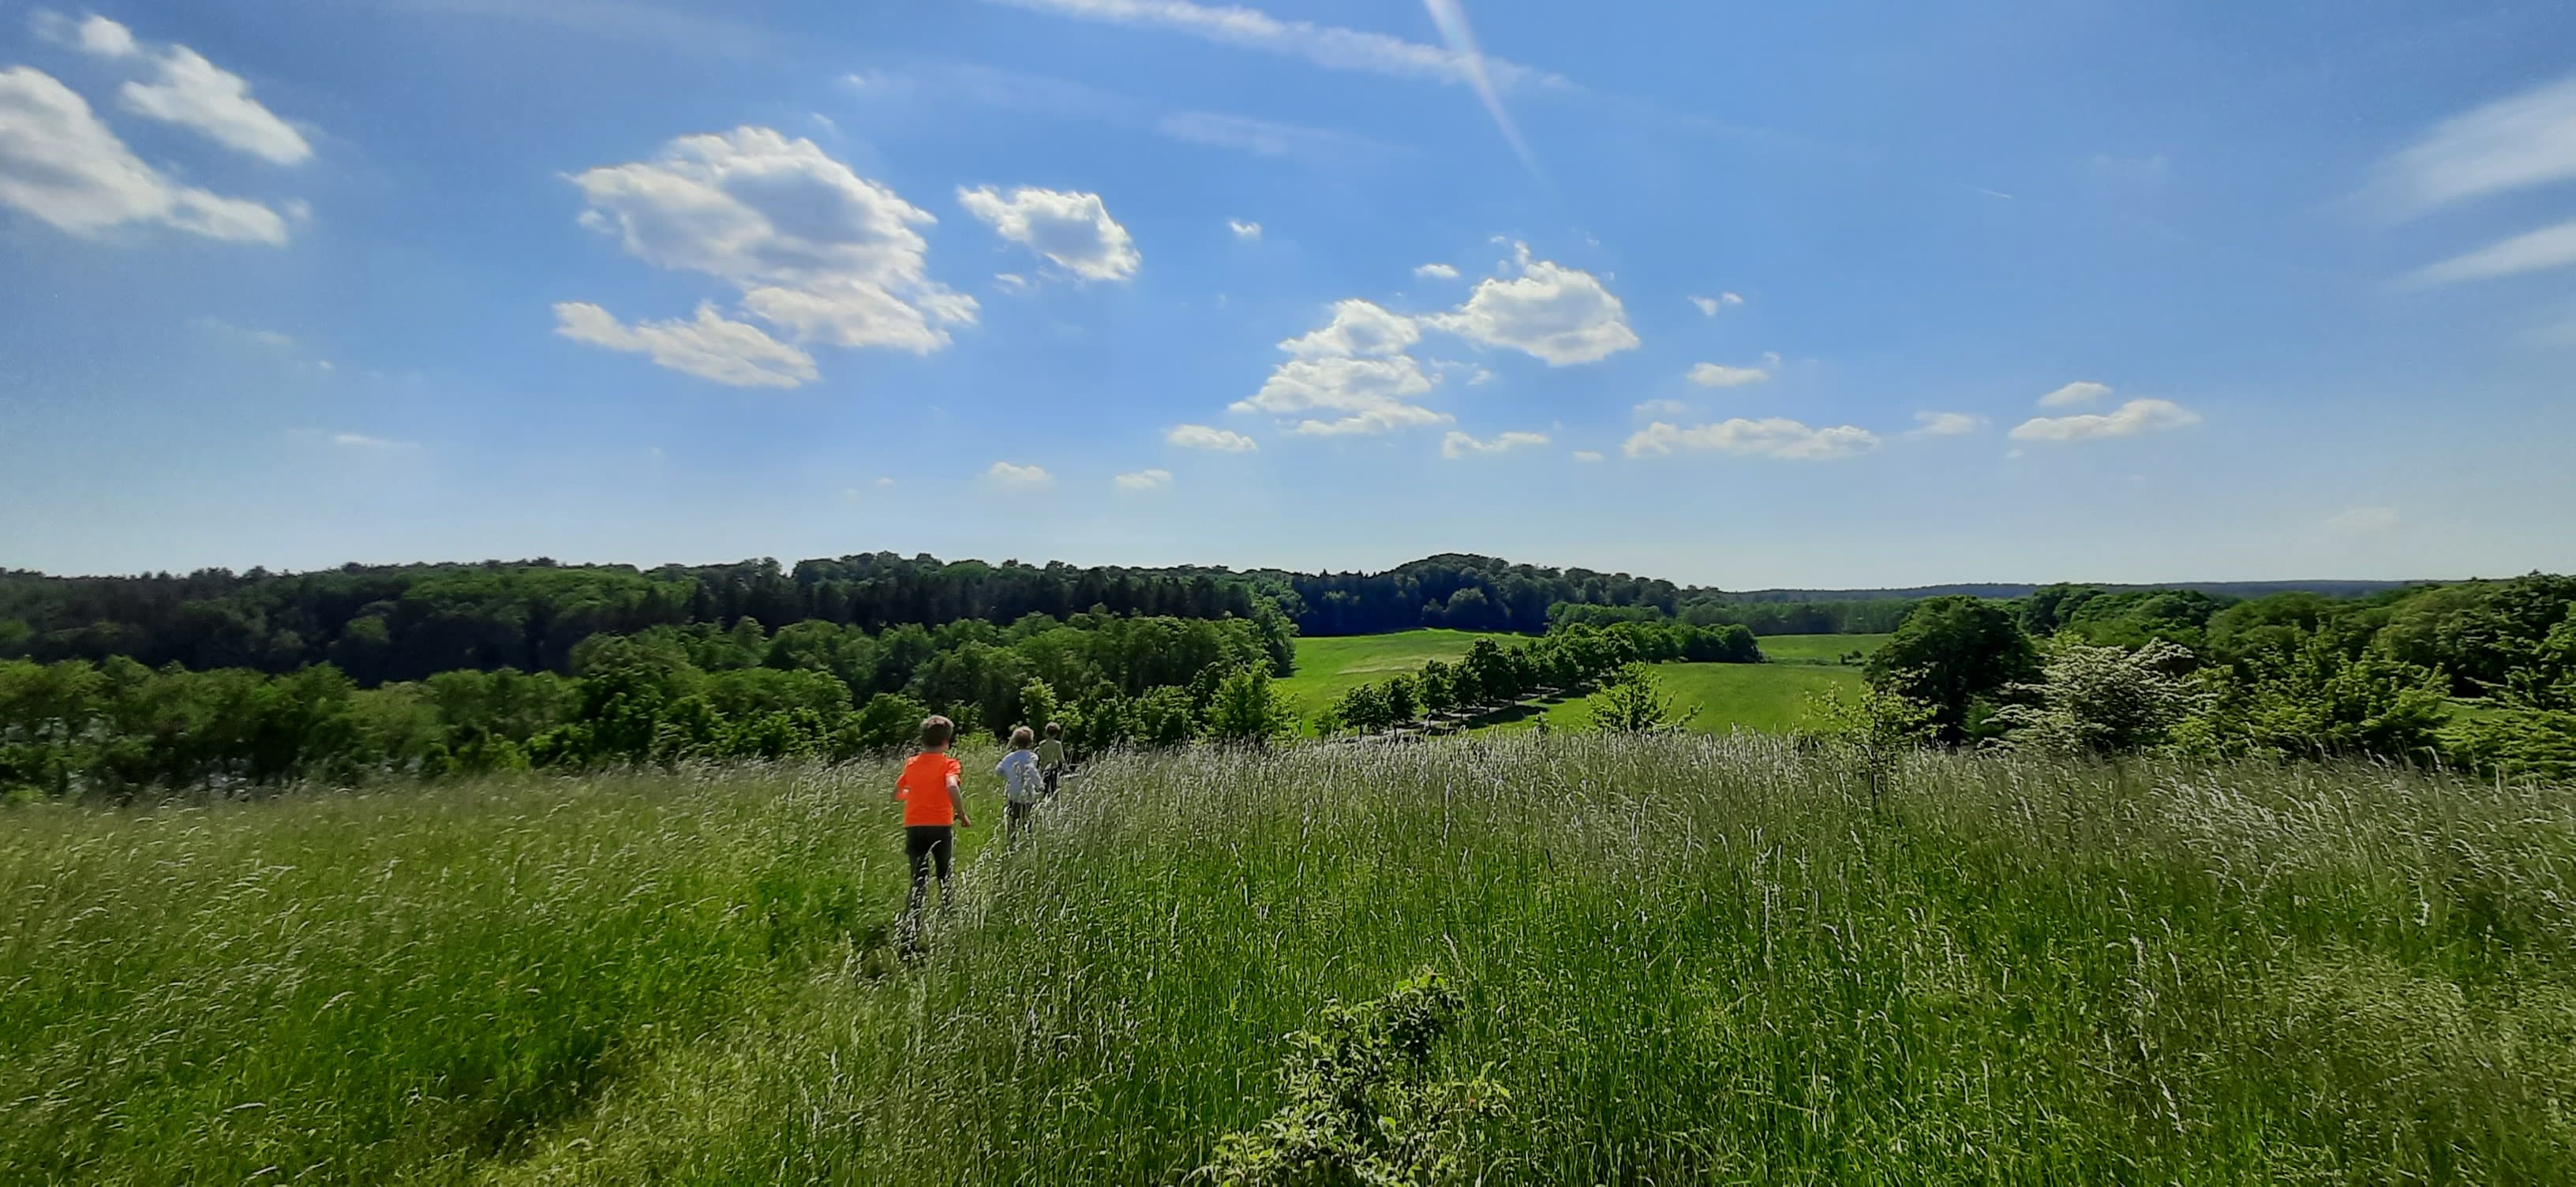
[1458,445]
[1775,437]
[1011,477]
[1944,424]
[1073,230]
[1210,438]
[816,250]
[2362,521]
[2136,416]
[1378,418]
[1339,384]
[710,347]
[1708,306]
[1242,229]
[1562,315]
[1436,272]
[1327,46]
[1358,328]
[1587,455]
[1715,375]
[186,90]
[2513,143]
[2549,247]
[2079,392]
[60,164]
[1143,480]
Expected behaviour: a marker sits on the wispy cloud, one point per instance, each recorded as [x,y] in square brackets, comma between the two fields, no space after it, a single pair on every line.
[939,83]
[1461,36]
[1266,138]
[1242,229]
[1774,437]
[2513,143]
[363,441]
[2549,247]
[1327,46]
[1143,480]
[1709,306]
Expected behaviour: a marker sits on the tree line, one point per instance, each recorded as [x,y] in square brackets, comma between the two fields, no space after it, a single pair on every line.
[1570,659]
[115,729]
[2478,674]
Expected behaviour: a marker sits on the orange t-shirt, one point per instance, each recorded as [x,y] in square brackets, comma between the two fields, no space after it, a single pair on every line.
[924,786]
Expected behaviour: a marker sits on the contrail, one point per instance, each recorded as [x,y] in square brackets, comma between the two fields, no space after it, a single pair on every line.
[1452,20]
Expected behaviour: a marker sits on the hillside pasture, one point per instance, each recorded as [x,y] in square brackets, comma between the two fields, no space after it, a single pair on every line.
[1770,698]
[1685,959]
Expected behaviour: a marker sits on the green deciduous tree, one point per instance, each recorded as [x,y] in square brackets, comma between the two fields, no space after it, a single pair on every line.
[1949,653]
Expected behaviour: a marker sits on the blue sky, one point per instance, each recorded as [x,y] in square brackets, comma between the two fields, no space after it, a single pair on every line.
[1829,294]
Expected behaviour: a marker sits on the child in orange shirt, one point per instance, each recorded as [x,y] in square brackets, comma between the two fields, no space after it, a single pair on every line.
[933,809]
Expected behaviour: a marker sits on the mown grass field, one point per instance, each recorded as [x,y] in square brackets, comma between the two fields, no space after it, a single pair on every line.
[1817,649]
[1688,959]
[1768,697]
[1329,666]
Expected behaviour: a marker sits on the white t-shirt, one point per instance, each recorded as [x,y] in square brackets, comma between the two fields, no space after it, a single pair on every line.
[1021,782]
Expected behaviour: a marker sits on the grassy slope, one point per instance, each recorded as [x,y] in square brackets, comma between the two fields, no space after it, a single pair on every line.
[1689,959]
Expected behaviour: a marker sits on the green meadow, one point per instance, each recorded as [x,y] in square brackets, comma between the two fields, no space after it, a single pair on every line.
[1329,666]
[1677,959]
[1817,649]
[1768,697]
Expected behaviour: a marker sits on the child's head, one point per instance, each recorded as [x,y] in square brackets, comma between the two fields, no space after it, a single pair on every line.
[1023,738]
[936,731]
[1054,730]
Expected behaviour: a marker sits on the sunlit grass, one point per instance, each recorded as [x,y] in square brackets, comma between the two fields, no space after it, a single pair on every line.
[1688,959]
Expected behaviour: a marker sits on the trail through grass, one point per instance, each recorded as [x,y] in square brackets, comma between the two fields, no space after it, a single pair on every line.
[1688,959]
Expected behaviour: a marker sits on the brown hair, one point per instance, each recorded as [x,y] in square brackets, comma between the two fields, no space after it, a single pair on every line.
[936,731]
[1023,738]
[1054,730]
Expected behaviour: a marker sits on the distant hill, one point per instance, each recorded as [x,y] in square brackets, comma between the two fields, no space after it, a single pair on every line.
[2006,589]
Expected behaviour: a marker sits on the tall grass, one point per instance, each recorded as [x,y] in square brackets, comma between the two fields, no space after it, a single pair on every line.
[1689,959]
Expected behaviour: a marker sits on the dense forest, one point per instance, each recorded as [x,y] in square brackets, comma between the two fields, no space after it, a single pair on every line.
[118,686]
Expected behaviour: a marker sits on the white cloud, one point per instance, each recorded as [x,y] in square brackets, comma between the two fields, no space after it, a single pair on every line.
[1479,377]
[816,250]
[2363,521]
[2136,416]
[2549,247]
[1143,480]
[1358,328]
[1715,375]
[1071,229]
[2081,391]
[362,441]
[711,347]
[1776,437]
[1242,229]
[1012,283]
[1709,306]
[91,35]
[1944,424]
[1010,477]
[195,93]
[59,163]
[1559,314]
[1587,455]
[1210,438]
[2524,140]
[1327,46]
[885,482]
[1661,408]
[1436,272]
[1459,445]
[1339,384]
[1376,418]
